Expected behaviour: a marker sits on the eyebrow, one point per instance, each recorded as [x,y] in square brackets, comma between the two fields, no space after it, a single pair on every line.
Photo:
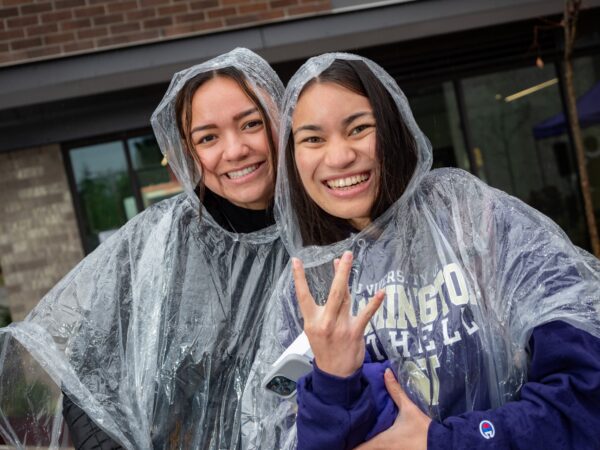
[347,121]
[237,117]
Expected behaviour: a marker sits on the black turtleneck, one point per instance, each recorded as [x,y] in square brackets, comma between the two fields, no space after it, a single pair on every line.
[235,218]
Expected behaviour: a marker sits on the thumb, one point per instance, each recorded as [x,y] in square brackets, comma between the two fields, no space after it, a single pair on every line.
[394,388]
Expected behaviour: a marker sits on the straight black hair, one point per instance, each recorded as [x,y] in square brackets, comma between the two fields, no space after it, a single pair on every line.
[395,150]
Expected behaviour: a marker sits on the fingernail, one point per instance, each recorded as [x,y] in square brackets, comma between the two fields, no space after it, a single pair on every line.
[295,263]
[347,256]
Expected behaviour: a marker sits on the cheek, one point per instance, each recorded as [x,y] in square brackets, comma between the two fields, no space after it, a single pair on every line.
[209,159]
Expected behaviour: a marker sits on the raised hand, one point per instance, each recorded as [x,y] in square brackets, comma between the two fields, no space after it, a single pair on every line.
[409,431]
[336,337]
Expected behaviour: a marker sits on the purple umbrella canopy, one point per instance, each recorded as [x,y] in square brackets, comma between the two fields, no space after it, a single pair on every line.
[588,108]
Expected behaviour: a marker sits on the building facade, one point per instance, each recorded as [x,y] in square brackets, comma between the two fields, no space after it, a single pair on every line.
[79,80]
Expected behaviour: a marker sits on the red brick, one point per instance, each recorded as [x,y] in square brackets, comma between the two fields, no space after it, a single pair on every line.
[122,6]
[36,8]
[282,3]
[240,20]
[23,21]
[78,46]
[180,30]
[141,14]
[221,13]
[89,11]
[258,7]
[26,43]
[158,22]
[56,16]
[4,48]
[125,28]
[154,2]
[128,38]
[172,9]
[61,4]
[44,51]
[233,2]
[42,29]
[92,33]
[12,2]
[192,17]
[12,34]
[203,4]
[8,12]
[107,20]
[76,24]
[59,38]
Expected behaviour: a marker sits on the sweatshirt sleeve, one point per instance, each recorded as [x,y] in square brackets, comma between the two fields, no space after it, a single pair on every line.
[559,405]
[341,413]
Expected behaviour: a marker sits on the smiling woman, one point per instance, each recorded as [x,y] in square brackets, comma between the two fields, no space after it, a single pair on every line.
[229,135]
[145,343]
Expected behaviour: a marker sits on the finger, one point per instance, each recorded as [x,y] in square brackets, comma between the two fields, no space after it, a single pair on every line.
[305,299]
[362,320]
[394,388]
[339,288]
[336,264]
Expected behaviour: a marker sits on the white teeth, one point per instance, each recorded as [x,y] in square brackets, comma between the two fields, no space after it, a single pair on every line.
[240,173]
[347,182]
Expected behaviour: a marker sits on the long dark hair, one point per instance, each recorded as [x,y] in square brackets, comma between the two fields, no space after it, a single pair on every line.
[183,112]
[395,150]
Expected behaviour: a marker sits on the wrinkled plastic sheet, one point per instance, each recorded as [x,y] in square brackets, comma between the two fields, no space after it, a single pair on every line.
[468,273]
[154,333]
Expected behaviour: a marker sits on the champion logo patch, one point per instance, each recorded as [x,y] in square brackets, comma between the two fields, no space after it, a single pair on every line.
[486,428]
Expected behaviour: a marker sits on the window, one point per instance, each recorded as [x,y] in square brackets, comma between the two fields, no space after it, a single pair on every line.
[113,181]
[505,112]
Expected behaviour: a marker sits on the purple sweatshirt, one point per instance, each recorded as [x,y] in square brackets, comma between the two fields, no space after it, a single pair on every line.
[558,408]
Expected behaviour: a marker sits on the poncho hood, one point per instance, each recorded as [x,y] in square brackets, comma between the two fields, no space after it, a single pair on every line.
[284,210]
[154,333]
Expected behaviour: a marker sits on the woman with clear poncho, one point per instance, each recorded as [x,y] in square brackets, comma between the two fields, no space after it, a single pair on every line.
[487,314]
[151,337]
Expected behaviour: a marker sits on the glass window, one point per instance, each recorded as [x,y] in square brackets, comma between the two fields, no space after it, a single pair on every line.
[156,183]
[587,88]
[436,112]
[506,111]
[116,180]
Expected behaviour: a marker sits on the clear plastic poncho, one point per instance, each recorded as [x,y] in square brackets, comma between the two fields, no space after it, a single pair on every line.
[154,333]
[468,272]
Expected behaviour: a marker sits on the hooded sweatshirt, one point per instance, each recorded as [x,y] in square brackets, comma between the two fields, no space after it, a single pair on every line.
[491,318]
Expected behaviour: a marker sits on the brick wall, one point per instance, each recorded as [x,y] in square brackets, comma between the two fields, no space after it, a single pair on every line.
[39,240]
[48,28]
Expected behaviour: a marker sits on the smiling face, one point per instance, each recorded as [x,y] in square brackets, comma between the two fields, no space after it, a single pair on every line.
[334,137]
[230,139]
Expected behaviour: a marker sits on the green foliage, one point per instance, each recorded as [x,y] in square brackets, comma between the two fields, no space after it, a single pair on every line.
[26,397]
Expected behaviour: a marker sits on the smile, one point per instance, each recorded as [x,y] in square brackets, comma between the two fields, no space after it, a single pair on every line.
[348,182]
[242,172]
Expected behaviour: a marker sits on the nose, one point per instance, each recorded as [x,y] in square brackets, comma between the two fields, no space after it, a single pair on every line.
[235,148]
[340,154]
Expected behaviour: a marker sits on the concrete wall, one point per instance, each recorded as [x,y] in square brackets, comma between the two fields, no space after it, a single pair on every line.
[39,239]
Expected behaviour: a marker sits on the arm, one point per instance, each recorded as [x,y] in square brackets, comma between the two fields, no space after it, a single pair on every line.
[340,413]
[559,405]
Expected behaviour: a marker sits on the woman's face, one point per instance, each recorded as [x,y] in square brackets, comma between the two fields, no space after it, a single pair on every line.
[334,148]
[230,138]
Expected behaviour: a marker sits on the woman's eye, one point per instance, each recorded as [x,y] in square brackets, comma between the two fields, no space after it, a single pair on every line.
[252,124]
[206,139]
[359,129]
[311,140]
